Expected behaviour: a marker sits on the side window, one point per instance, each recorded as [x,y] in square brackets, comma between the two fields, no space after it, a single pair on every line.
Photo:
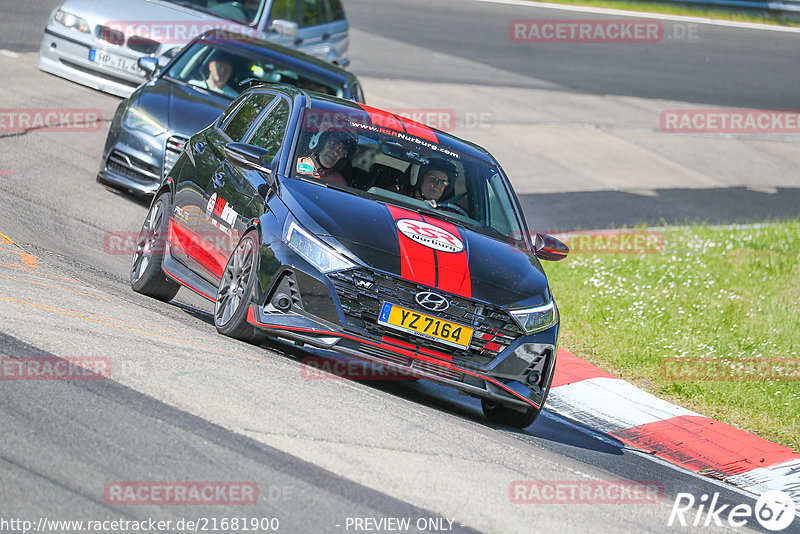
[284,10]
[245,115]
[312,13]
[335,10]
[269,134]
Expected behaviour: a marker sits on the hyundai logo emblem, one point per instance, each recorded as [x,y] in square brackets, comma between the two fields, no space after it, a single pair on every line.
[432,301]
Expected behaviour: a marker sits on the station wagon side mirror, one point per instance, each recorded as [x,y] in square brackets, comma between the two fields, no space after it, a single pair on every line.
[547,247]
[282,27]
[148,64]
[249,157]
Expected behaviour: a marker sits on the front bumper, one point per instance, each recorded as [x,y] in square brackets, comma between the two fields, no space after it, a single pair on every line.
[136,161]
[68,57]
[519,377]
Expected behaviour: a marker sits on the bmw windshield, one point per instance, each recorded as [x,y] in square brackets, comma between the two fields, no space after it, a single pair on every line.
[246,12]
[402,169]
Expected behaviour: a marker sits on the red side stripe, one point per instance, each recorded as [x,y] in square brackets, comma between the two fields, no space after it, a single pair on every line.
[417,262]
[437,354]
[699,443]
[454,276]
[198,248]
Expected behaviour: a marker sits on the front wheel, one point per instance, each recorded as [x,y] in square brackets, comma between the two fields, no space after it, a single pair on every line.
[147,277]
[234,291]
[500,413]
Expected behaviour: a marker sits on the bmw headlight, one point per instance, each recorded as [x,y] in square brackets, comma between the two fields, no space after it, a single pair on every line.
[534,320]
[313,250]
[72,21]
[138,120]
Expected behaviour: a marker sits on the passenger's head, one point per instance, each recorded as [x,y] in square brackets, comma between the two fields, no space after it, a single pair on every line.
[336,146]
[435,177]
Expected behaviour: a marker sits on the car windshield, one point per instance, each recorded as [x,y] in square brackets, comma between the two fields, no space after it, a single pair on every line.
[221,70]
[245,12]
[407,171]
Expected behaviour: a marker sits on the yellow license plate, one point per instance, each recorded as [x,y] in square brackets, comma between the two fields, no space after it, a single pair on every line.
[423,325]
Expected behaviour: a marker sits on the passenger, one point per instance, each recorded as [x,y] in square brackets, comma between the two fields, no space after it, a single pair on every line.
[334,149]
[433,180]
[217,73]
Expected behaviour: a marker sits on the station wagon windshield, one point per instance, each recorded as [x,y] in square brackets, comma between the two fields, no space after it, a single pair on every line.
[415,173]
[245,12]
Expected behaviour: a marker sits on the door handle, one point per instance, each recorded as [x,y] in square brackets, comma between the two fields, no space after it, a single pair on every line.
[326,36]
[218,179]
[298,41]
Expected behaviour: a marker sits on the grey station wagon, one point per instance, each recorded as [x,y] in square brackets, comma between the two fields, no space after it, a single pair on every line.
[98,44]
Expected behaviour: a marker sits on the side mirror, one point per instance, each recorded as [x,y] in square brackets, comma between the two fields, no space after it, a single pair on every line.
[248,157]
[148,64]
[283,27]
[547,247]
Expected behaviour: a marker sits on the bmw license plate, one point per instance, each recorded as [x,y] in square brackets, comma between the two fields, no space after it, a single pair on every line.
[423,325]
[114,61]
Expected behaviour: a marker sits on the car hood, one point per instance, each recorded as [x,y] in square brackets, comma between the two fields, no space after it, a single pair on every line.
[181,109]
[397,240]
[151,14]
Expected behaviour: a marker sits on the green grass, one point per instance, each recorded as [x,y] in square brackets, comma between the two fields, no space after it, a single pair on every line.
[713,294]
[710,12]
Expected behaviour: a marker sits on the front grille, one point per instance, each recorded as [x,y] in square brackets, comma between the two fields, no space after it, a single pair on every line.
[131,167]
[172,151]
[143,44]
[362,293]
[109,35]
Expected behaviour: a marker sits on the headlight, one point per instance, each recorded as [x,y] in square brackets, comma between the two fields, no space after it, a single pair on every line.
[313,250]
[534,320]
[138,120]
[72,21]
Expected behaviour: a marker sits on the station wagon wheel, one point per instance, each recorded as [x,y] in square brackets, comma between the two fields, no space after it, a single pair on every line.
[497,412]
[147,277]
[235,291]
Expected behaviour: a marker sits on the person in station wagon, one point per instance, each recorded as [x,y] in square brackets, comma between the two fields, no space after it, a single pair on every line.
[334,148]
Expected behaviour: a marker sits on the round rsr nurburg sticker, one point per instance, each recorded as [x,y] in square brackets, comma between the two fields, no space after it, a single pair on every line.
[429,235]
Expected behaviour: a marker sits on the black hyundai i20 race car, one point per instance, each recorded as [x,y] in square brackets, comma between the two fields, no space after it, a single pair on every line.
[340,226]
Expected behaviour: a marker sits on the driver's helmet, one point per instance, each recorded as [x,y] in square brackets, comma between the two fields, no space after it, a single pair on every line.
[438,164]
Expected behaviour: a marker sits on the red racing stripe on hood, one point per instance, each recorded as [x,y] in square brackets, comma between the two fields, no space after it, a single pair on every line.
[417,262]
[454,276]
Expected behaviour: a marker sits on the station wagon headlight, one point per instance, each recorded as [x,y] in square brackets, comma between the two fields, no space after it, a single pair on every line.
[138,120]
[313,250]
[534,320]
[72,21]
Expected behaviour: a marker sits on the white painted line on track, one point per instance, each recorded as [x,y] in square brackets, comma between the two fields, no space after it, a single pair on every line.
[641,15]
[9,53]
[611,404]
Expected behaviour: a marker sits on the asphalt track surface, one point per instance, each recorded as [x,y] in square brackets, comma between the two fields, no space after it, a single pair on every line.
[185,404]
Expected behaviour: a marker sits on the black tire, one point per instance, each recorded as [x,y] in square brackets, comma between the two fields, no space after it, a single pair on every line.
[500,413]
[234,291]
[147,277]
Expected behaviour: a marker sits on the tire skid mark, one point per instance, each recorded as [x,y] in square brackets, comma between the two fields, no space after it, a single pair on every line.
[40,273]
[78,315]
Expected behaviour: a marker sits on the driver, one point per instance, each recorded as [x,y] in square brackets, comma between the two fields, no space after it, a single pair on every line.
[433,180]
[216,74]
[334,149]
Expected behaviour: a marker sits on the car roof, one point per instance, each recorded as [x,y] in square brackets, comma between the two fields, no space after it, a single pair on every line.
[385,119]
[289,56]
